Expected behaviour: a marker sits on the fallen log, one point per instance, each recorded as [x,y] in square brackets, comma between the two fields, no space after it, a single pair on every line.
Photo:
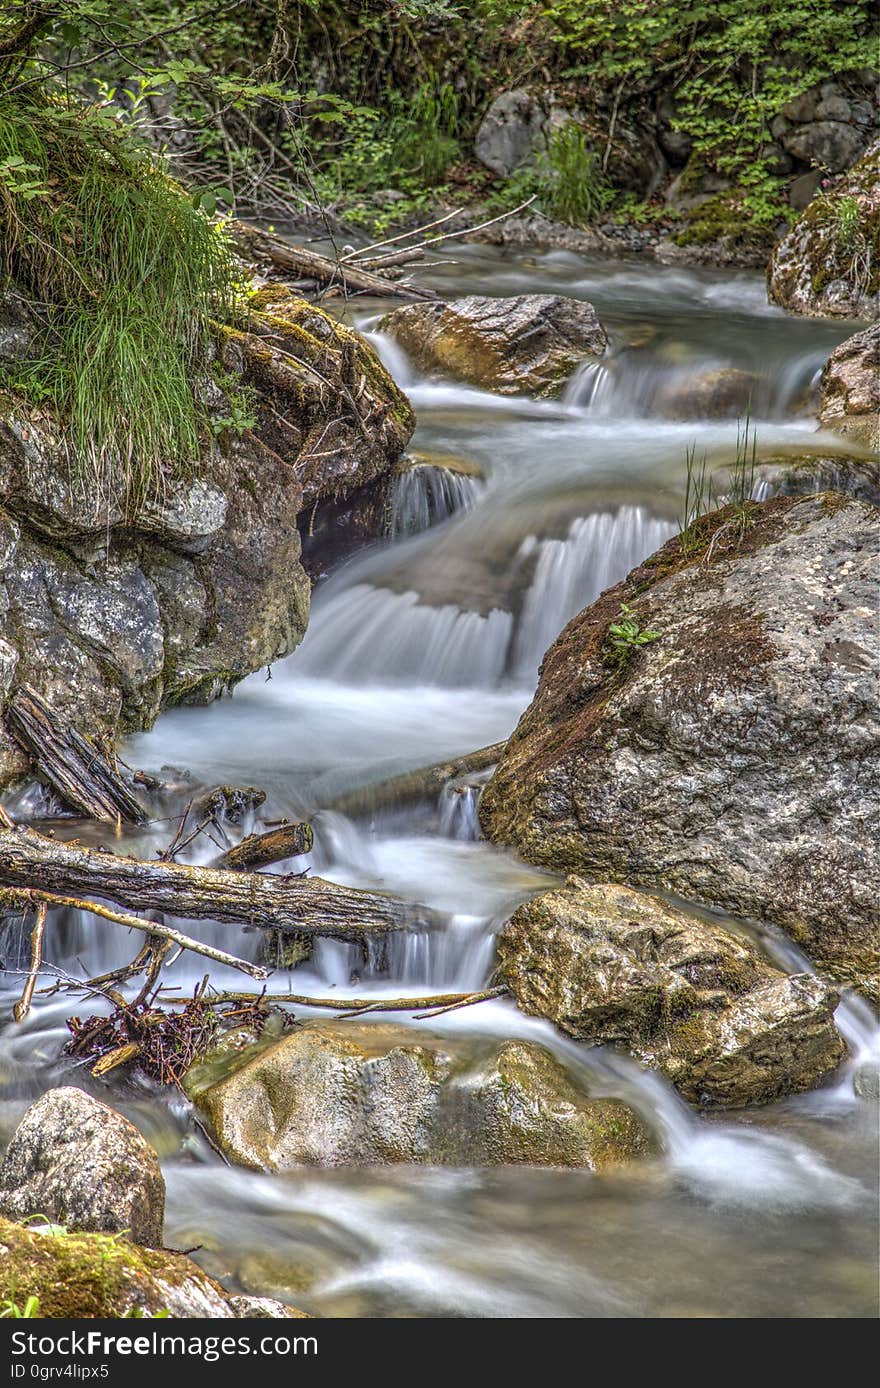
[306,904]
[434,1004]
[68,763]
[254,245]
[413,786]
[260,850]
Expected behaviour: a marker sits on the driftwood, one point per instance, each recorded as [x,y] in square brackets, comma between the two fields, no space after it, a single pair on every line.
[413,786]
[254,245]
[259,850]
[75,770]
[307,904]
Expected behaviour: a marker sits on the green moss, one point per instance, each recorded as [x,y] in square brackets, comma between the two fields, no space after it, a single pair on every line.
[75,1276]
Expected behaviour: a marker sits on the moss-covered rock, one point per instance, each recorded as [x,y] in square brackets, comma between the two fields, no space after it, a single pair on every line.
[828,264]
[684,995]
[86,1276]
[734,758]
[528,345]
[345,1093]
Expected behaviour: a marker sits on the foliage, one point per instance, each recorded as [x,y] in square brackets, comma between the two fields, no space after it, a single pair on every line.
[125,272]
[573,188]
[700,499]
[625,637]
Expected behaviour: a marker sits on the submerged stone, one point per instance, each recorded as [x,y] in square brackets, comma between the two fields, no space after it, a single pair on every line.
[342,1093]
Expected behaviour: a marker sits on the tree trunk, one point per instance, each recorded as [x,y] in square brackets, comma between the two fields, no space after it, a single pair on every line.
[254,245]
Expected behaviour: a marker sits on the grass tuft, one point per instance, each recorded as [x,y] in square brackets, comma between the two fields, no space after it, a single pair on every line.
[124,273]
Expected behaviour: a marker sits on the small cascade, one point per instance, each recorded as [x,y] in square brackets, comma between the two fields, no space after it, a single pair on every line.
[392,357]
[458,808]
[598,551]
[371,636]
[425,495]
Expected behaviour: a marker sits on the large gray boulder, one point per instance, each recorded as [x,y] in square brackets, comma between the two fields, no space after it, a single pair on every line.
[511,132]
[849,401]
[82,1165]
[734,758]
[342,1093]
[527,345]
[685,995]
[832,144]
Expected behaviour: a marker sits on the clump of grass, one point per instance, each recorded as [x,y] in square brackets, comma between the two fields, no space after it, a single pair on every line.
[700,497]
[125,273]
[574,189]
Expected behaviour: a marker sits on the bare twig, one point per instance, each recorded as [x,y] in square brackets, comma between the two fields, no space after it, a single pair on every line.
[23,1006]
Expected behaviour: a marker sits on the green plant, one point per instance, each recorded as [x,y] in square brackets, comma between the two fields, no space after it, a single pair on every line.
[10,1309]
[125,272]
[625,637]
[573,186]
[698,500]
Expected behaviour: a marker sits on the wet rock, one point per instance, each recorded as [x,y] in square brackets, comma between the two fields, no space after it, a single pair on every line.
[610,965]
[803,474]
[511,132]
[81,1165]
[724,393]
[527,345]
[827,265]
[829,143]
[77,1276]
[850,389]
[346,1093]
[733,759]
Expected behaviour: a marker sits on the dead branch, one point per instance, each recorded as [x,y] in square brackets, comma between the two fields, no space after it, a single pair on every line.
[165,932]
[23,1006]
[63,758]
[413,786]
[309,904]
[356,1007]
[259,850]
[256,245]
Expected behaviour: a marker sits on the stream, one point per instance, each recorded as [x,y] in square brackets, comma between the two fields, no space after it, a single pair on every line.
[425,647]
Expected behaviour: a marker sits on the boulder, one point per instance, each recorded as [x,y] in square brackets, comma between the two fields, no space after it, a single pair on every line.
[849,401]
[832,144]
[511,132]
[76,1276]
[527,345]
[732,758]
[113,617]
[722,393]
[343,1093]
[82,1165]
[610,965]
[827,265]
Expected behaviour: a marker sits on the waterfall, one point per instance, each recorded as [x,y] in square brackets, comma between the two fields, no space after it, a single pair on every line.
[424,495]
[376,637]
[598,551]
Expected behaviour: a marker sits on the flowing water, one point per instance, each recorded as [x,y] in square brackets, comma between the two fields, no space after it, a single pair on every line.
[425,647]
